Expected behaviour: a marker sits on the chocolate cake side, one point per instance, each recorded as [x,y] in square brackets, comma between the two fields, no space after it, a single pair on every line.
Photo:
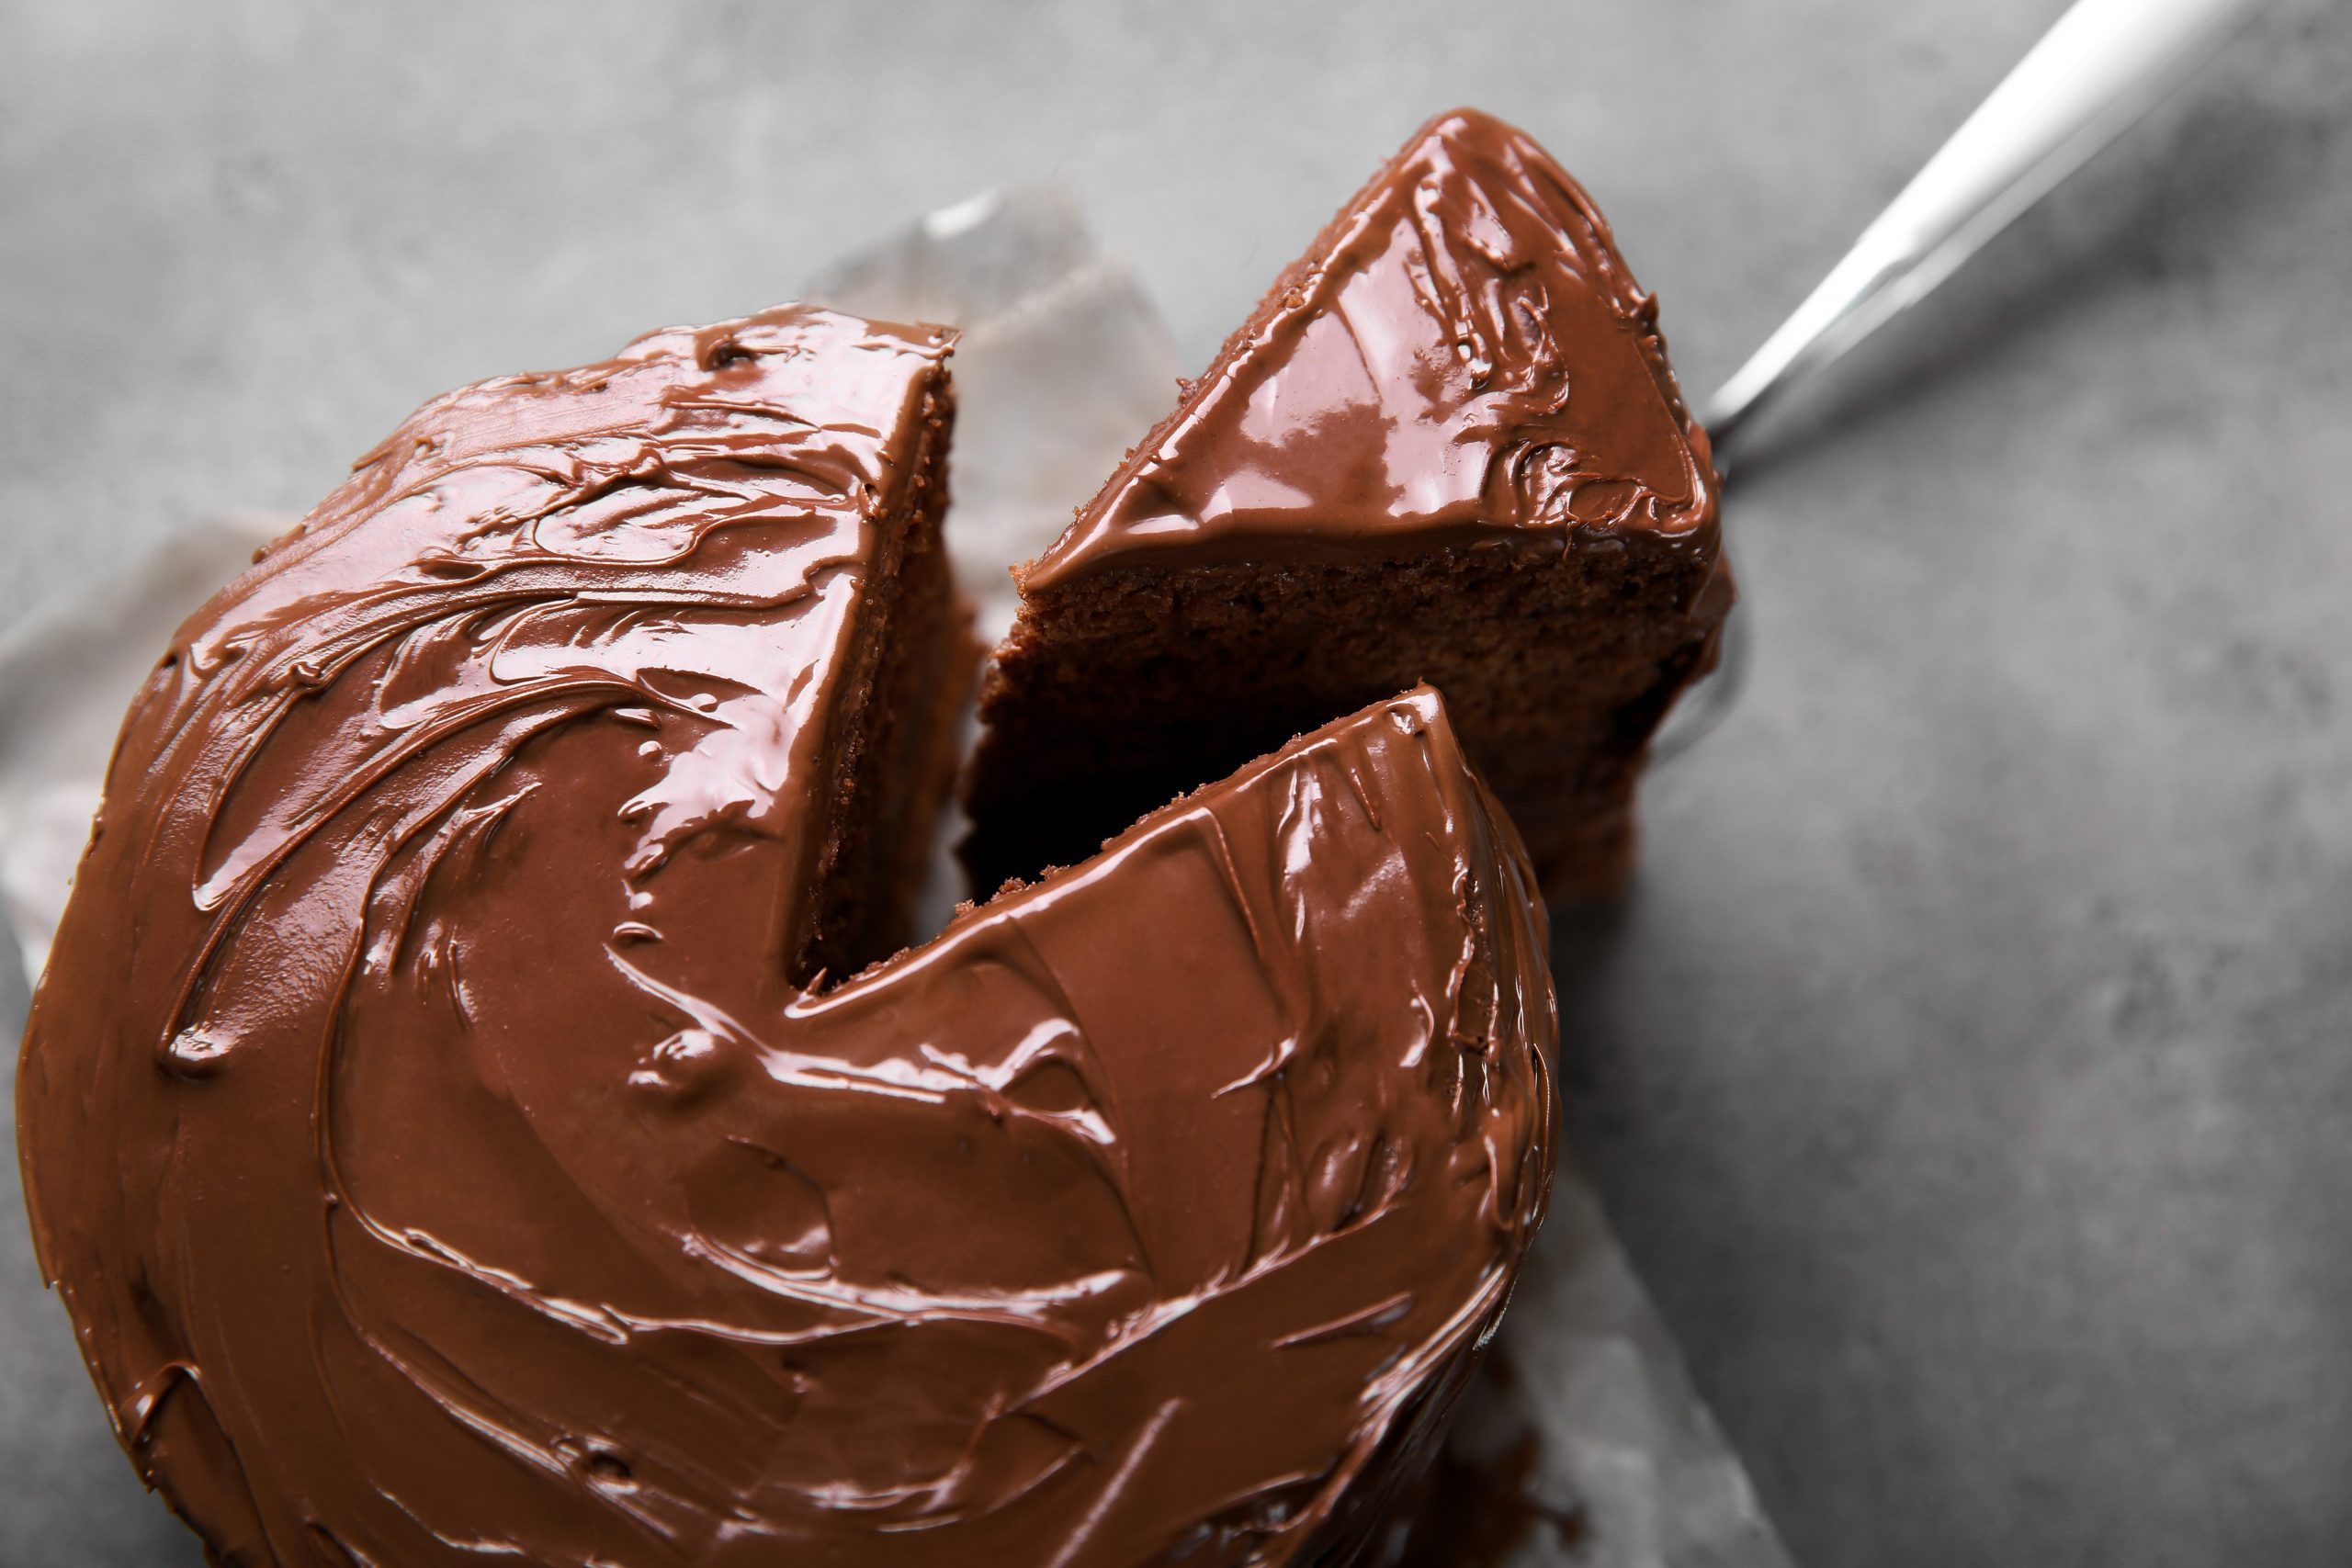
[895,759]
[1447,446]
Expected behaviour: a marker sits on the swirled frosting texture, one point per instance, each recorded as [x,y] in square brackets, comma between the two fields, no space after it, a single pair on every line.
[442,1165]
[1460,356]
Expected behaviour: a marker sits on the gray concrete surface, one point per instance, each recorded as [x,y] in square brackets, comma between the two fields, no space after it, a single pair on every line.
[1971,1073]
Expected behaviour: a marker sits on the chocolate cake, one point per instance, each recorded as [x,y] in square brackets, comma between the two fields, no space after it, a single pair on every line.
[1446,448]
[448,1125]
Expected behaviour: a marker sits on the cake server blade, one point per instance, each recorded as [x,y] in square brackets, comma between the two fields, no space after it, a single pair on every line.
[2100,67]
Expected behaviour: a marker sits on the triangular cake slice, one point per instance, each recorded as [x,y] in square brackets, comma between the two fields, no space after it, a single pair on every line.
[1447,446]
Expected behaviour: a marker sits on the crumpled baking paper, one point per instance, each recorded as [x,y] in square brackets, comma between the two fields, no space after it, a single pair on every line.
[1612,1461]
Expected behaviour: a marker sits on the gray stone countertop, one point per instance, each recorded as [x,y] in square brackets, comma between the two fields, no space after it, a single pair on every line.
[1971,1073]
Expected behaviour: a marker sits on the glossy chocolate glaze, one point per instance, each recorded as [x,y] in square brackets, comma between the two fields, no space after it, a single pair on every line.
[1462,356]
[441,1161]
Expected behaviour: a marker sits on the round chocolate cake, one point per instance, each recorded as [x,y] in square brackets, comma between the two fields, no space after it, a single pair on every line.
[474,1110]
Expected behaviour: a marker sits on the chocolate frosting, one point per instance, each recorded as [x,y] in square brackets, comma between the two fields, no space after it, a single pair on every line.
[441,1163]
[1460,356]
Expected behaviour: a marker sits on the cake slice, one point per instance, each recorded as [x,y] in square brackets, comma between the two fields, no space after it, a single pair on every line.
[1446,448]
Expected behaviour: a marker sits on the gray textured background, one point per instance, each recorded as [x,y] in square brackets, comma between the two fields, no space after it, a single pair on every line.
[1970,1074]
